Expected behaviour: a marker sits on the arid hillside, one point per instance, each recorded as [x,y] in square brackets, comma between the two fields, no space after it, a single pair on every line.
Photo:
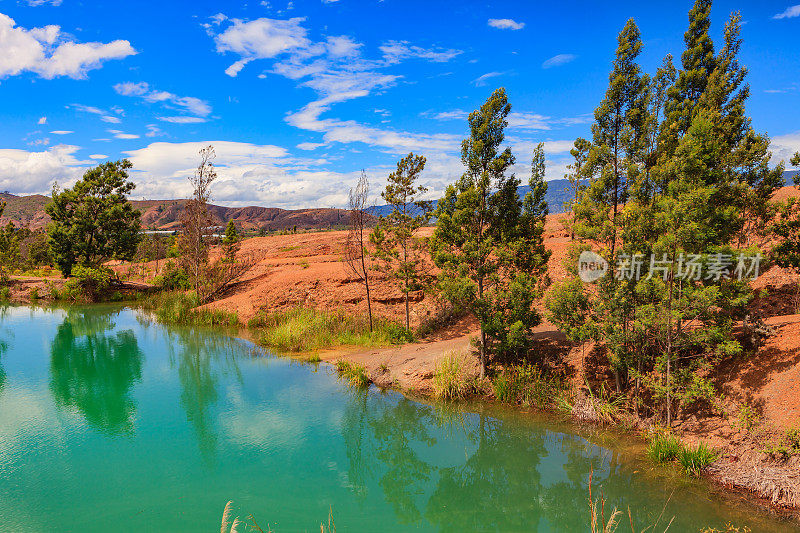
[165,215]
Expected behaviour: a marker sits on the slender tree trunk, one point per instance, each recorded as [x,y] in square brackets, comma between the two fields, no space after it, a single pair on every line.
[364,268]
[669,340]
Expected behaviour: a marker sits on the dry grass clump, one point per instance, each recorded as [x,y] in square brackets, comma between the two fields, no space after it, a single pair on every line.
[450,378]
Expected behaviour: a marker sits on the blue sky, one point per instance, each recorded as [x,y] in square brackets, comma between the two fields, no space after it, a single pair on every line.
[298,97]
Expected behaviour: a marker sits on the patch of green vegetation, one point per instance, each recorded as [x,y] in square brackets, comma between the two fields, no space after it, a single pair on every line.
[354,373]
[695,460]
[528,385]
[313,358]
[787,446]
[5,293]
[180,308]
[664,448]
[304,264]
[33,294]
[305,330]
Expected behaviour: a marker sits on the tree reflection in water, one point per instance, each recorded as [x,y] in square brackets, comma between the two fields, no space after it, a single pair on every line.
[94,370]
[469,471]
[201,357]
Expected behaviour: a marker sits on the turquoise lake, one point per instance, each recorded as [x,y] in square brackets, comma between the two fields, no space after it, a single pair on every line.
[112,422]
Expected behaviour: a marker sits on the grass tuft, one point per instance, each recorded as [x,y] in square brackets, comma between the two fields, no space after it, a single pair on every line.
[180,308]
[695,460]
[354,373]
[664,448]
[449,377]
[305,330]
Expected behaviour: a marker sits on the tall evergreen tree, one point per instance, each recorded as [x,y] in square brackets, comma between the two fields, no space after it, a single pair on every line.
[487,241]
[397,246]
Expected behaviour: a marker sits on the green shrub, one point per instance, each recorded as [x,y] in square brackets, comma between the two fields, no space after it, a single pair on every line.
[173,278]
[449,378]
[353,373]
[89,282]
[664,448]
[33,294]
[695,460]
[5,293]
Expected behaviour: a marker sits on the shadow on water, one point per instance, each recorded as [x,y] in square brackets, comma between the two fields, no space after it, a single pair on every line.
[94,370]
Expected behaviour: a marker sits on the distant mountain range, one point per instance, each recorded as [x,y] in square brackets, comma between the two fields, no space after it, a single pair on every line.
[165,214]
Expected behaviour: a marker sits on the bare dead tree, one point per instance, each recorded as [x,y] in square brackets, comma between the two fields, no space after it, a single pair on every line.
[196,220]
[355,250]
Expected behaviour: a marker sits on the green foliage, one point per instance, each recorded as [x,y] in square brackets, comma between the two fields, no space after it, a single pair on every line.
[94,221]
[91,282]
[528,385]
[664,448]
[397,248]
[747,417]
[173,277]
[487,243]
[695,460]
[305,330]
[353,373]
[5,294]
[33,294]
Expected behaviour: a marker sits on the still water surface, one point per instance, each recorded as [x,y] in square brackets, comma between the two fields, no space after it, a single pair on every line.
[109,421]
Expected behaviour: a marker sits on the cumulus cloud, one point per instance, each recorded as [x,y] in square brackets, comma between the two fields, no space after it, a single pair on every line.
[248,174]
[50,53]
[506,24]
[42,120]
[98,156]
[187,104]
[558,60]
[784,146]
[790,12]
[27,172]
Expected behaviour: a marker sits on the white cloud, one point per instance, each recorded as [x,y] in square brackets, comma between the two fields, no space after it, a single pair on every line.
[480,81]
[310,146]
[105,116]
[396,51]
[783,147]
[42,120]
[529,121]
[37,3]
[260,39]
[98,156]
[506,24]
[790,12]
[337,70]
[122,135]
[188,104]
[61,132]
[154,131]
[50,53]
[34,172]
[558,60]
[183,120]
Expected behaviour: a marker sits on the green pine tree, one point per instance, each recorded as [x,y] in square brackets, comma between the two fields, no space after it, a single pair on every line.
[396,244]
